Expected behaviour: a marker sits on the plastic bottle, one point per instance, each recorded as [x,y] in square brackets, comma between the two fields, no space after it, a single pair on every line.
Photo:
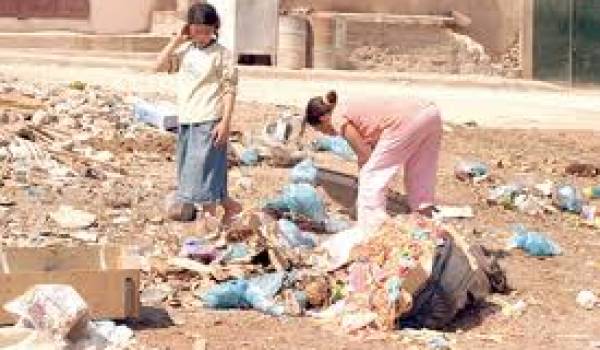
[568,198]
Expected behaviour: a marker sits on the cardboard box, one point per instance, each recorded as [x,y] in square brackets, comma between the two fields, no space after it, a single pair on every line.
[102,275]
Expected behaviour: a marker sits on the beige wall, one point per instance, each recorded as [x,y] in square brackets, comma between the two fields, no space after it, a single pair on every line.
[106,17]
[495,23]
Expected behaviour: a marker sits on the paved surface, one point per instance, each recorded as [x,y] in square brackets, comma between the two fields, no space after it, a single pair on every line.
[491,107]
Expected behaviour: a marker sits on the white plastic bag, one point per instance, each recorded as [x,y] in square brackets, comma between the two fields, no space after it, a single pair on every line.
[52,309]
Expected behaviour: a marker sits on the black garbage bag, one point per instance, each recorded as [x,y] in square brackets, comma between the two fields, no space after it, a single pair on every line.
[459,279]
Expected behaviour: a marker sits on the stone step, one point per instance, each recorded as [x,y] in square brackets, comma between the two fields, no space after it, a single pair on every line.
[78,41]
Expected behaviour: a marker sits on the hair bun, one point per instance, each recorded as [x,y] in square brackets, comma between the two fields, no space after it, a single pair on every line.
[331,97]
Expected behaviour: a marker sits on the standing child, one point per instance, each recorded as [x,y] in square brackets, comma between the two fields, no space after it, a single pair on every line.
[386,134]
[207,83]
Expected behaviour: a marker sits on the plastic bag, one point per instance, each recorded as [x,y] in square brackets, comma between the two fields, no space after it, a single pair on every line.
[257,293]
[52,309]
[293,237]
[336,224]
[162,115]
[505,195]
[533,243]
[336,144]
[249,157]
[470,169]
[300,199]
[568,198]
[197,249]
[304,172]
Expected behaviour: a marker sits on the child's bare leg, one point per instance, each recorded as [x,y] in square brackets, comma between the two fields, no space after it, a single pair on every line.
[210,209]
[231,208]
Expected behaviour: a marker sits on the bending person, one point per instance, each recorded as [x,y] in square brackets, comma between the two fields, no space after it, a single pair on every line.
[386,135]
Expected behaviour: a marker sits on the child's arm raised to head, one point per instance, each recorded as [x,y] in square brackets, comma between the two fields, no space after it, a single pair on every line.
[165,62]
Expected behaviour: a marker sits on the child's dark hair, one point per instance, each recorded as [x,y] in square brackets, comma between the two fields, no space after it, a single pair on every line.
[318,107]
[204,13]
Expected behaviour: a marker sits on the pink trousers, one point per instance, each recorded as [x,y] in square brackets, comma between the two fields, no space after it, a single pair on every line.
[414,144]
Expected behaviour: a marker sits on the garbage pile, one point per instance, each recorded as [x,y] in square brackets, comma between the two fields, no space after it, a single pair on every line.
[291,257]
[538,199]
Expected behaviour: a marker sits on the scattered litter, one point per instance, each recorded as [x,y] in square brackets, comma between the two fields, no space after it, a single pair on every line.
[354,322]
[240,294]
[299,200]
[447,212]
[57,311]
[279,131]
[504,195]
[545,188]
[592,192]
[337,224]
[197,249]
[438,343]
[293,237]
[568,198]
[249,157]
[533,243]
[162,115]
[590,215]
[304,172]
[471,170]
[336,144]
[77,85]
[235,251]
[88,237]
[514,310]
[69,218]
[587,299]
[582,169]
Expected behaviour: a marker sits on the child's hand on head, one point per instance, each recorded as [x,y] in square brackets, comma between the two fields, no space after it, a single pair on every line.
[182,35]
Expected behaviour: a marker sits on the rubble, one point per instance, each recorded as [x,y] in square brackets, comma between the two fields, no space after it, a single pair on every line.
[69,218]
[89,151]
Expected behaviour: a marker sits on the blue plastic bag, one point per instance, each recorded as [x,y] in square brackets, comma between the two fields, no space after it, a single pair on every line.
[300,199]
[227,295]
[336,144]
[304,172]
[293,237]
[533,243]
[257,293]
[249,157]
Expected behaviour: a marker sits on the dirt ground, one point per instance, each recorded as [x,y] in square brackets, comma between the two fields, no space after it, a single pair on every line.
[549,286]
